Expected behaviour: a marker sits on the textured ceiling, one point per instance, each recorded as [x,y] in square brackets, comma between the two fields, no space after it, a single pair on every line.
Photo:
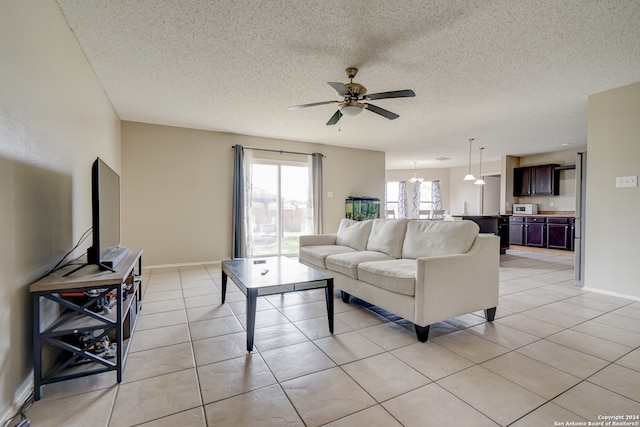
[513,74]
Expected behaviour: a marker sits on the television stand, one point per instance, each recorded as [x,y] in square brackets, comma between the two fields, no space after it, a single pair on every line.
[88,319]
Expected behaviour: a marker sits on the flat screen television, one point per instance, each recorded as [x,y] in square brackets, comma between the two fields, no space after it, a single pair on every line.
[105,251]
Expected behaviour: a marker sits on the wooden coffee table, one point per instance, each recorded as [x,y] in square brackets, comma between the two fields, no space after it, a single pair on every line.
[258,277]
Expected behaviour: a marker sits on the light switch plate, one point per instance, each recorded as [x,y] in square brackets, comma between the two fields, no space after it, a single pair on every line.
[626,181]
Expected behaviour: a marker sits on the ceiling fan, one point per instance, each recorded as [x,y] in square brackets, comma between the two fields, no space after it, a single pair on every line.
[353,100]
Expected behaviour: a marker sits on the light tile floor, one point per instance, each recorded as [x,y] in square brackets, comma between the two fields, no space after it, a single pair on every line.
[555,354]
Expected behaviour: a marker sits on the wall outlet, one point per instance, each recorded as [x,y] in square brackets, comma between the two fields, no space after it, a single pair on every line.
[329,194]
[551,204]
[626,181]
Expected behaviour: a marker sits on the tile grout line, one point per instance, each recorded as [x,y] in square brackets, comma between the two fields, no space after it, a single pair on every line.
[193,352]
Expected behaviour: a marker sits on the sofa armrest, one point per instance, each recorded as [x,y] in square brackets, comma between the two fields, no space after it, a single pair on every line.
[318,240]
[448,286]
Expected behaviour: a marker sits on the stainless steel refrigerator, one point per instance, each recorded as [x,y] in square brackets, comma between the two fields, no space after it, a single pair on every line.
[578,243]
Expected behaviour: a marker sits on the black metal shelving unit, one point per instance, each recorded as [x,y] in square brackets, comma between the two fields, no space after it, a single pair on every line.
[92,307]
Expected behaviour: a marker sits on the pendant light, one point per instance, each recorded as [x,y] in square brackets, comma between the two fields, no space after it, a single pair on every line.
[480,181]
[415,177]
[469,176]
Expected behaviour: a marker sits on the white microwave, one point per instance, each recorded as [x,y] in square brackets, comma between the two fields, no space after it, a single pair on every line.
[525,208]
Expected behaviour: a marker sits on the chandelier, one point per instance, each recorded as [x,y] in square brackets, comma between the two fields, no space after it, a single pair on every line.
[415,177]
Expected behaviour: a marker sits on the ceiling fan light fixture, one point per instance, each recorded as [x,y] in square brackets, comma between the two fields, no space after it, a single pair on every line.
[351,108]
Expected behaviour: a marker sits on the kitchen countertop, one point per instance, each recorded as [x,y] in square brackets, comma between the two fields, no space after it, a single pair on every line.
[562,214]
[547,214]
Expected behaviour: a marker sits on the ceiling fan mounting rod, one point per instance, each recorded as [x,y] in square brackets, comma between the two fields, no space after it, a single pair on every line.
[351,73]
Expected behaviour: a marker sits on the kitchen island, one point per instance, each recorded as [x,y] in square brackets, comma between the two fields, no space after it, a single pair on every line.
[494,224]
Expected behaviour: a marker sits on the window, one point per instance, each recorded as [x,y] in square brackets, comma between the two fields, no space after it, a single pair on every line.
[425,195]
[391,198]
[281,207]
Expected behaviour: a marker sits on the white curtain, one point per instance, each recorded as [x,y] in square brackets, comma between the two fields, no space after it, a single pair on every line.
[415,200]
[436,203]
[402,199]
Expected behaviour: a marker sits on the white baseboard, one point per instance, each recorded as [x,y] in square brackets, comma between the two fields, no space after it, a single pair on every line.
[184,264]
[21,396]
[610,293]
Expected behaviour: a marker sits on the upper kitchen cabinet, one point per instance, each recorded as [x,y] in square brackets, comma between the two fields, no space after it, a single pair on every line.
[521,182]
[540,180]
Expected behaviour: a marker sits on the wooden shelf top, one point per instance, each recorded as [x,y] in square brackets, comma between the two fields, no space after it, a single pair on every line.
[88,276]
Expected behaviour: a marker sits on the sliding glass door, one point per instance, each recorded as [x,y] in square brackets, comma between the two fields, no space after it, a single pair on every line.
[280,207]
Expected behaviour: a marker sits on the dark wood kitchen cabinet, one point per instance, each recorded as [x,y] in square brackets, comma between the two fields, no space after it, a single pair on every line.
[516,230]
[540,180]
[522,182]
[535,231]
[559,233]
[552,232]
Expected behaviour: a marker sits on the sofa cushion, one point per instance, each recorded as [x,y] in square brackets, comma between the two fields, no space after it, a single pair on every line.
[397,275]
[347,263]
[387,235]
[316,255]
[353,233]
[437,238]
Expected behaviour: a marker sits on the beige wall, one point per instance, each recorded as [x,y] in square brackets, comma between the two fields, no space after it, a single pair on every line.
[612,233]
[54,121]
[177,188]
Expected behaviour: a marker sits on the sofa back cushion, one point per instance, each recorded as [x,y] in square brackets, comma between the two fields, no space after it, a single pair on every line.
[354,234]
[387,236]
[436,238]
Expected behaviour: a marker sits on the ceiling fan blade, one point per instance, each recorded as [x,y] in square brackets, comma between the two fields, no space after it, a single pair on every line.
[340,88]
[297,107]
[407,93]
[384,113]
[335,118]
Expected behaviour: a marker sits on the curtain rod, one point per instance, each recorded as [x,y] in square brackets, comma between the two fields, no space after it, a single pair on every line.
[279,151]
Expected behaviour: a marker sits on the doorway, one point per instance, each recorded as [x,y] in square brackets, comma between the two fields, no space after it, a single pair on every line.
[491,195]
[280,207]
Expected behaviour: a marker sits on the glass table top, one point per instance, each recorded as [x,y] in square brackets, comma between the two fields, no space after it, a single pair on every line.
[272,275]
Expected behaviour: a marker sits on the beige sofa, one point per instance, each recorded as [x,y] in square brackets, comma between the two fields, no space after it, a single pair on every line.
[423,271]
